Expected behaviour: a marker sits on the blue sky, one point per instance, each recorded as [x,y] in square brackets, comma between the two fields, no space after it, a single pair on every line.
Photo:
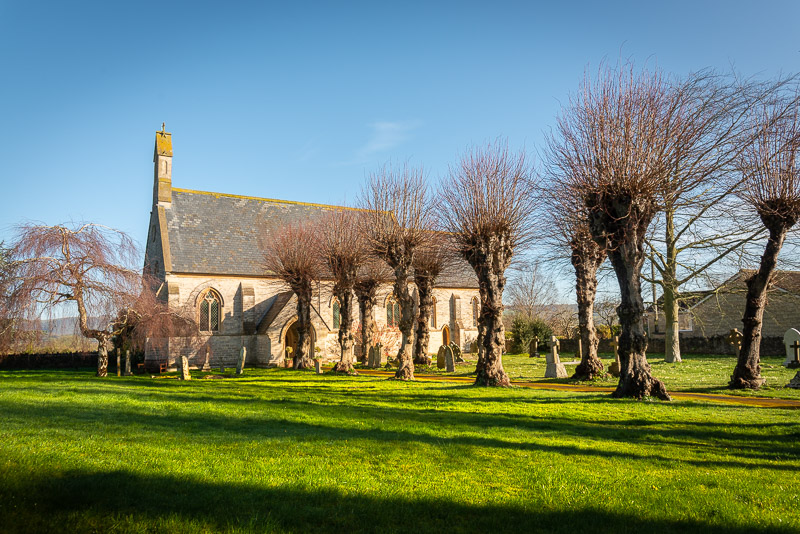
[298,100]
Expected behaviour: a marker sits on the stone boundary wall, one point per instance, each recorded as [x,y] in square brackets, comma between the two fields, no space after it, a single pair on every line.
[66,360]
[770,346]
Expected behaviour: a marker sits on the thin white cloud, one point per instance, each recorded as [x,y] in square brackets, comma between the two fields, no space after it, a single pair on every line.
[385,136]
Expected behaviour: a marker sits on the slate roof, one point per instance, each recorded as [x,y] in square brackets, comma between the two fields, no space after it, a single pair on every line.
[217,233]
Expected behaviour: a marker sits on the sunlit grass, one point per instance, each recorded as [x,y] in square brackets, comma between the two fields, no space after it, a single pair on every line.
[287,451]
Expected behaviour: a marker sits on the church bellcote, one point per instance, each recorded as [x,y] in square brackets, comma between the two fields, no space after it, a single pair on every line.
[162,160]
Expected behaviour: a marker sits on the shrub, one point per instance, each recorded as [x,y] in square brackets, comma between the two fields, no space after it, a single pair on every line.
[523,331]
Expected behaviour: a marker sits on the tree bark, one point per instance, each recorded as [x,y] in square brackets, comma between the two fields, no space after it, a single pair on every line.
[405,369]
[747,373]
[302,357]
[366,303]
[586,259]
[489,259]
[422,332]
[672,346]
[346,338]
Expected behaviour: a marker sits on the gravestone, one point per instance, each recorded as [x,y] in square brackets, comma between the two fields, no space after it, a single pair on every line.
[578,349]
[734,338]
[456,353]
[378,356]
[533,348]
[473,347]
[371,358]
[440,358]
[614,368]
[448,359]
[555,369]
[791,337]
[794,383]
[240,363]
[318,366]
[128,363]
[207,362]
[184,361]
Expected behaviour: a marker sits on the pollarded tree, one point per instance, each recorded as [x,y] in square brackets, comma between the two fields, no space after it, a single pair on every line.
[372,274]
[291,253]
[772,186]
[92,266]
[613,149]
[344,251]
[429,262]
[487,207]
[399,223]
[571,232]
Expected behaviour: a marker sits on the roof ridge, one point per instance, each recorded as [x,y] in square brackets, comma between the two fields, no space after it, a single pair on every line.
[263,199]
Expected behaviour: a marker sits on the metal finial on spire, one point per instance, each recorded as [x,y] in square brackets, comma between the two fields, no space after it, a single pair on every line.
[163,126]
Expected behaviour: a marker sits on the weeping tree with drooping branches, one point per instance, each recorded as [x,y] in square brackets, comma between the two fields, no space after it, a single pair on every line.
[344,251]
[613,147]
[397,225]
[88,266]
[291,253]
[769,164]
[487,206]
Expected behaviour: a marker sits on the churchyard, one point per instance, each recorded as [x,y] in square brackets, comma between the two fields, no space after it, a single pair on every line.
[280,450]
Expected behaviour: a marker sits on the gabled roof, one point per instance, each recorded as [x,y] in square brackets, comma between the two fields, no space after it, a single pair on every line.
[217,233]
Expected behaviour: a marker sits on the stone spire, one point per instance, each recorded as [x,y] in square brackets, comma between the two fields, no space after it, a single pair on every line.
[162,160]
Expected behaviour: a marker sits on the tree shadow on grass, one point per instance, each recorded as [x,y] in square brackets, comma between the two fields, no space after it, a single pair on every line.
[85,501]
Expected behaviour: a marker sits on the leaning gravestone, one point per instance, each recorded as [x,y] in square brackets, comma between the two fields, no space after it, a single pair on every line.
[614,368]
[240,363]
[456,353]
[378,356]
[448,359]
[440,358]
[555,369]
[533,348]
[790,338]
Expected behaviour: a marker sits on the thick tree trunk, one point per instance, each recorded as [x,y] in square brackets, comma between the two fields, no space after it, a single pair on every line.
[405,369]
[346,338]
[422,332]
[635,379]
[366,302]
[302,357]
[672,346]
[102,359]
[747,373]
[586,259]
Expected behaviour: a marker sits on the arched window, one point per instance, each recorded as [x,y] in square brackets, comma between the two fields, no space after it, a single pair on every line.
[432,322]
[210,306]
[337,314]
[392,312]
[475,312]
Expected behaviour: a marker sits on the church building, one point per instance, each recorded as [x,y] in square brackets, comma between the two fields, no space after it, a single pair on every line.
[203,250]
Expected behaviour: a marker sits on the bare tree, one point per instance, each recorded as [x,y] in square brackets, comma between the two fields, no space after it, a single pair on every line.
[87,264]
[399,222]
[291,253]
[372,274]
[698,223]
[487,208]
[613,150]
[429,262]
[606,310]
[771,172]
[344,251]
[530,291]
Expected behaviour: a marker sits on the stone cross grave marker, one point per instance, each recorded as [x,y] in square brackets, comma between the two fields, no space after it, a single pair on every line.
[207,362]
[791,336]
[555,369]
[614,369]
[448,359]
[440,358]
[240,363]
[378,356]
[734,338]
[533,349]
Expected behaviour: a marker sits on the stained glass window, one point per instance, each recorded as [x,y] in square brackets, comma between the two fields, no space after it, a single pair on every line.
[209,312]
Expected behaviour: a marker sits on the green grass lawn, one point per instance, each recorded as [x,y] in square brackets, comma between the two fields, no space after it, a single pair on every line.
[288,451]
[697,373]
